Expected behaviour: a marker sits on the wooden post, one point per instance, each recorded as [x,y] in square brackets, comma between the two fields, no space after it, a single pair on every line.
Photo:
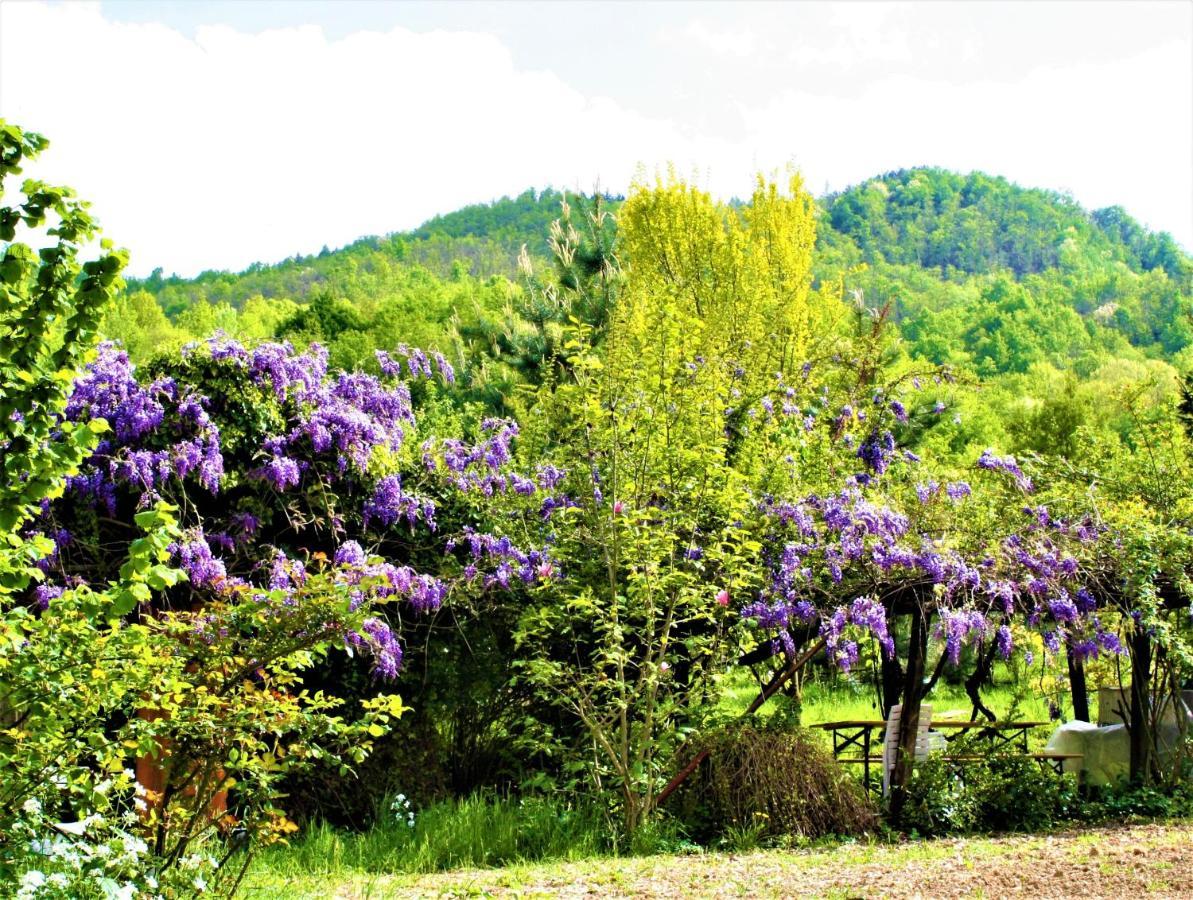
[1141,670]
[891,671]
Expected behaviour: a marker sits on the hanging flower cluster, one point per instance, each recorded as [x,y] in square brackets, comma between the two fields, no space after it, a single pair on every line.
[267,449]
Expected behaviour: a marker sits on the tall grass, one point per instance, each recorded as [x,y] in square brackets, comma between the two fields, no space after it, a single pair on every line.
[478,831]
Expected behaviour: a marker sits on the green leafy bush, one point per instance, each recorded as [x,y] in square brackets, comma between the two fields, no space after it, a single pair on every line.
[938,801]
[1013,793]
[1008,792]
[1004,792]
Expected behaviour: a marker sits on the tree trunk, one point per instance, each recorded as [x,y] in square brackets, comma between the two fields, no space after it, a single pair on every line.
[1141,668]
[892,673]
[979,676]
[1077,686]
[909,718]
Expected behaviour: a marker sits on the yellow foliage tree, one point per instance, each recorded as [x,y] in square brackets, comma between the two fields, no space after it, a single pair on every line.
[737,279]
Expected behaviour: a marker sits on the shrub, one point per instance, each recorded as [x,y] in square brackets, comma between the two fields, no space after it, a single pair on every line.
[1126,802]
[763,783]
[1012,793]
[1003,792]
[938,801]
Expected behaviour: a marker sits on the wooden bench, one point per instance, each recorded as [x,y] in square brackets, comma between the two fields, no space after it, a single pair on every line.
[1056,760]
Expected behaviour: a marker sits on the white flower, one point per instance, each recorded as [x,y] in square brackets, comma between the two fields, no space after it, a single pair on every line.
[199,883]
[32,806]
[30,882]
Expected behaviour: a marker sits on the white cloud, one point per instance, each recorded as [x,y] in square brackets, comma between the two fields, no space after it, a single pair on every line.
[227,148]
[738,42]
[232,148]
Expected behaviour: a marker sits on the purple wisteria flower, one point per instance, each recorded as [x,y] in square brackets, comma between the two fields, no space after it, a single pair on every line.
[991,461]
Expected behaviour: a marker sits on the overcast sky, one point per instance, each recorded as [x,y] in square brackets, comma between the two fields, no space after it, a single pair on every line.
[212,135]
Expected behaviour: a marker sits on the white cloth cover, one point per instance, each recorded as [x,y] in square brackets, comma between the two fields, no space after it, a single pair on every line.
[1106,749]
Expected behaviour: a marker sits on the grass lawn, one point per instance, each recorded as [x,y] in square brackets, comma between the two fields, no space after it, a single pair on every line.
[841,698]
[1151,859]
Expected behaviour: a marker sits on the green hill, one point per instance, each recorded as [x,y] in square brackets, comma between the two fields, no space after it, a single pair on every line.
[977,224]
[978,272]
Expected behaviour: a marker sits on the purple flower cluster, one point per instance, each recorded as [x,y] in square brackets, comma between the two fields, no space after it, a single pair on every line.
[959,627]
[159,431]
[378,640]
[44,593]
[418,364]
[289,375]
[390,504]
[506,561]
[877,450]
[865,613]
[479,467]
[994,463]
[378,580]
[202,567]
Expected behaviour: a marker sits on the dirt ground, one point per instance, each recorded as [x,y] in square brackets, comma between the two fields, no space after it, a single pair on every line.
[1124,861]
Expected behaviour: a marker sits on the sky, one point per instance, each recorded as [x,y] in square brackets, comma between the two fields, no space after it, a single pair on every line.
[212,135]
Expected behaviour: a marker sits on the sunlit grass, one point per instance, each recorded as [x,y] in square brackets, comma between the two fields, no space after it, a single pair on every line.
[518,835]
[759,873]
[839,698]
[478,831]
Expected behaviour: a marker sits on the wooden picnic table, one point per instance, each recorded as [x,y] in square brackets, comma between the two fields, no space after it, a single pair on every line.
[858,734]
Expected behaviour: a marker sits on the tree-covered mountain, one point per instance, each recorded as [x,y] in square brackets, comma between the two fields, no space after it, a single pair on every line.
[978,272]
[481,239]
[978,224]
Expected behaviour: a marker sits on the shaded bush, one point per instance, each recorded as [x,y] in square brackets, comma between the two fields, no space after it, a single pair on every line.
[1003,792]
[938,801]
[763,782]
[1013,793]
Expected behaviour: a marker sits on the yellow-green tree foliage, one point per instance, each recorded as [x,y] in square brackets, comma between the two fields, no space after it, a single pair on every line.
[735,280]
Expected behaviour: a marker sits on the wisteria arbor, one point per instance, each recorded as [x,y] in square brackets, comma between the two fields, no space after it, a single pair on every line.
[893,544]
[1141,573]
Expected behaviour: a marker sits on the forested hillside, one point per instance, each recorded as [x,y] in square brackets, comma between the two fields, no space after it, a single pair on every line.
[978,224]
[978,272]
[1046,302]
